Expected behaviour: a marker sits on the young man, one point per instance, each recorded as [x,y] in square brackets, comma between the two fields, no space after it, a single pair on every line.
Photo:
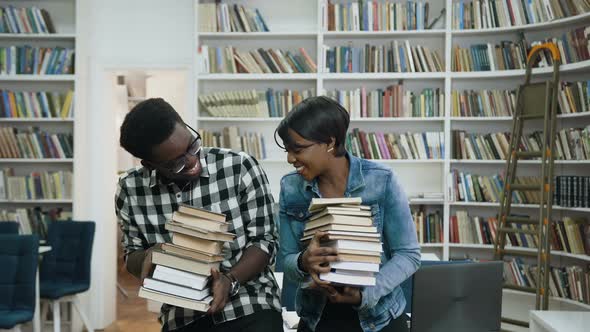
[177,169]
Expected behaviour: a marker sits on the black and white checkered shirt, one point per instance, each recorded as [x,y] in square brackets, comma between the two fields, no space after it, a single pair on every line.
[230,183]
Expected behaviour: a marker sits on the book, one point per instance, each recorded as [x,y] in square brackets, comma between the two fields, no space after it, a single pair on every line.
[354,245]
[329,219]
[337,227]
[183,263]
[320,203]
[359,258]
[190,242]
[192,254]
[180,277]
[172,289]
[197,232]
[343,211]
[349,278]
[355,266]
[202,305]
[202,213]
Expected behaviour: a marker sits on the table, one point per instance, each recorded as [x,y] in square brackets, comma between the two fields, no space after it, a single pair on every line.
[37,315]
[559,321]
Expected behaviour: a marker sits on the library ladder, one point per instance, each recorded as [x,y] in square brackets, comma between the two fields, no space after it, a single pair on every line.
[535,101]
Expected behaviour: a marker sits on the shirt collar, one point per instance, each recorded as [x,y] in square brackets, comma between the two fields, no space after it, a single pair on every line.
[355,177]
[156,178]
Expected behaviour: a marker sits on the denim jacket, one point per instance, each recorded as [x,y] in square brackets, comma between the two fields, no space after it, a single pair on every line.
[379,189]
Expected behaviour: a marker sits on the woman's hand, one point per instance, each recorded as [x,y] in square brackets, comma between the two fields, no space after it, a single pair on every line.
[350,295]
[317,259]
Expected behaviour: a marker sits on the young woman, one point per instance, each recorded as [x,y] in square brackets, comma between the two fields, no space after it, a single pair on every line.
[314,135]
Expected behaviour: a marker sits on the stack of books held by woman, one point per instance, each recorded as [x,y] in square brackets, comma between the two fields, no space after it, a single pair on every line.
[350,230]
[183,267]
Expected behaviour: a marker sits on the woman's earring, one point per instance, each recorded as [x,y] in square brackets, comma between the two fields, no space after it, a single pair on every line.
[330,149]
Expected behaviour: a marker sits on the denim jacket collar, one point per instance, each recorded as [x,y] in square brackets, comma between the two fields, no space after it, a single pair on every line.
[355,177]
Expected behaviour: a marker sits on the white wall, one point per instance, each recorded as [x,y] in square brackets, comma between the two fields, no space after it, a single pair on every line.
[115,34]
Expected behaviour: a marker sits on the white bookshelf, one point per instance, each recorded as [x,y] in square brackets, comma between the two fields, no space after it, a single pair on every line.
[303,28]
[63,16]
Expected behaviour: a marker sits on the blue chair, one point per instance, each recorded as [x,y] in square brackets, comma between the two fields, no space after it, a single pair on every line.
[9,227]
[18,259]
[65,270]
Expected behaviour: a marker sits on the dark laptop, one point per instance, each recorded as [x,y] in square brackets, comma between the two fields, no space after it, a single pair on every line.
[457,297]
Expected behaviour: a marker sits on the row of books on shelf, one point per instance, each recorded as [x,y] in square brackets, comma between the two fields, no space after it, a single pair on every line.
[570,144]
[230,138]
[40,104]
[34,143]
[377,15]
[573,97]
[568,235]
[429,226]
[572,191]
[230,60]
[224,17]
[252,103]
[183,267]
[398,56]
[569,191]
[485,14]
[16,60]
[25,20]
[378,145]
[392,102]
[34,220]
[570,282]
[573,47]
[37,185]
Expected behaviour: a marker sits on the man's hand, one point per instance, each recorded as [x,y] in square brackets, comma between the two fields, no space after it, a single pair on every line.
[316,259]
[220,286]
[147,268]
[350,295]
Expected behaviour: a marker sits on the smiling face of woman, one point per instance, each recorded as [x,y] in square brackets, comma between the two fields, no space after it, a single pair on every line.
[309,158]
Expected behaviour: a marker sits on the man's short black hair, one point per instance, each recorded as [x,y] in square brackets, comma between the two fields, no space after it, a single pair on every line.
[148,124]
[316,119]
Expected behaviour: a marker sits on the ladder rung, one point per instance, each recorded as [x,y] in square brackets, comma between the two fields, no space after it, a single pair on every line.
[517,253]
[521,220]
[521,288]
[532,116]
[517,230]
[528,187]
[515,322]
[529,154]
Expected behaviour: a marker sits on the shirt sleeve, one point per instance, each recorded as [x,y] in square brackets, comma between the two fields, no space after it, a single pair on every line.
[256,205]
[132,238]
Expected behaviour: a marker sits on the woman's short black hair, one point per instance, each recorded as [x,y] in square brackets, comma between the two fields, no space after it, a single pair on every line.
[148,124]
[317,119]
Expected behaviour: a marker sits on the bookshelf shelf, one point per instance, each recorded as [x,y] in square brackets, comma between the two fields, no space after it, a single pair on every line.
[509,118]
[426,201]
[385,161]
[523,249]
[35,120]
[431,245]
[533,162]
[382,76]
[528,27]
[522,206]
[256,35]
[571,67]
[38,78]
[36,201]
[353,120]
[37,161]
[378,34]
[37,36]
[256,77]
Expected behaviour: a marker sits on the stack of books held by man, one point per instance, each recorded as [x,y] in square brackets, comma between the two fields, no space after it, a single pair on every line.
[350,230]
[183,267]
